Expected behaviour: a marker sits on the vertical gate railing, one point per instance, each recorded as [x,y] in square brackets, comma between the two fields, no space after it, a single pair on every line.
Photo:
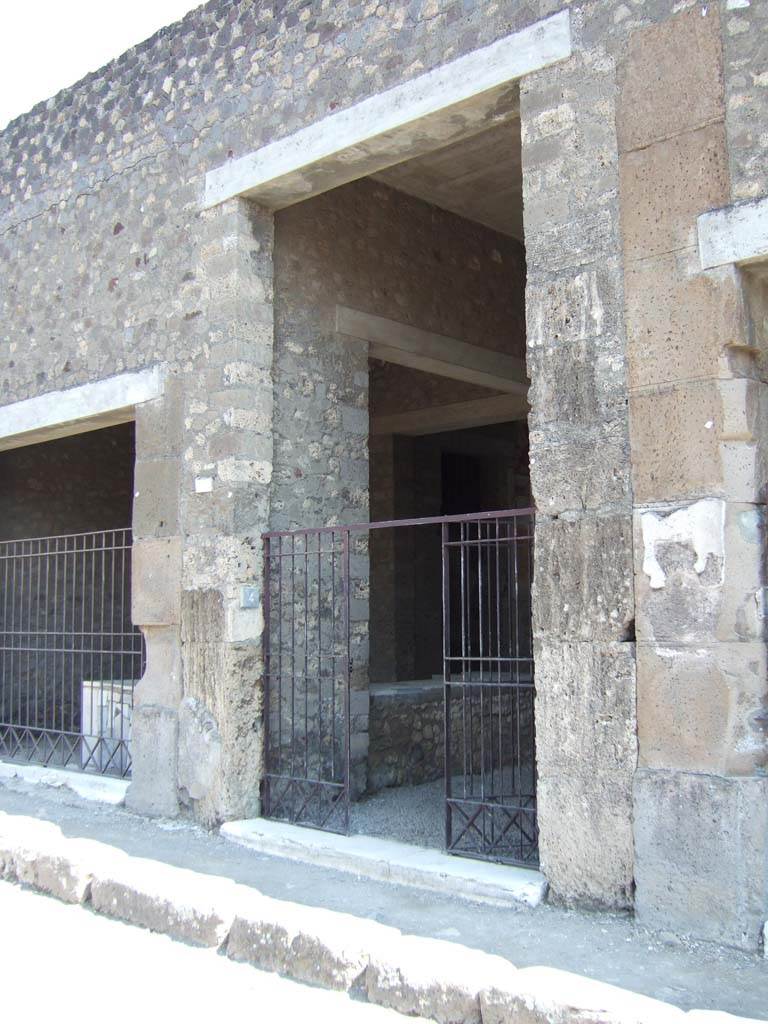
[307,672]
[490,766]
[69,653]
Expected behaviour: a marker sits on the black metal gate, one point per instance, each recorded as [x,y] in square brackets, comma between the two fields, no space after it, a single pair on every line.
[69,653]
[490,765]
[490,808]
[307,673]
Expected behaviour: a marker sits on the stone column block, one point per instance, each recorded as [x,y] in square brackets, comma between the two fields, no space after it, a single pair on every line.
[665,186]
[671,78]
[154,751]
[698,439]
[703,708]
[156,586]
[699,572]
[586,756]
[669,303]
[583,585]
[156,498]
[701,855]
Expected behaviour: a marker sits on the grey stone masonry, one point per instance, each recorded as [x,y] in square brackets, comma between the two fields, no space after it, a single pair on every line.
[647,394]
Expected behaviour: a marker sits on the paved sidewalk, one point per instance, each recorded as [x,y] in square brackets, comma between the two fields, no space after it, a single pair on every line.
[605,947]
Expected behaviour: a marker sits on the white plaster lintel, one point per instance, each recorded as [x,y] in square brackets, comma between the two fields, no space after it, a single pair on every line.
[59,413]
[346,139]
[734,234]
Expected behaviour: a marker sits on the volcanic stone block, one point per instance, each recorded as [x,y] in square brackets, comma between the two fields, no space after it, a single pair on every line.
[156,590]
[664,188]
[701,847]
[671,79]
[700,572]
[583,587]
[703,708]
[585,836]
[585,707]
[682,323]
[587,470]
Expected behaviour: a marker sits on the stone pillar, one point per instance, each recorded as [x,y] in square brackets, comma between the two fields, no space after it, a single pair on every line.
[225,487]
[697,411]
[156,587]
[583,604]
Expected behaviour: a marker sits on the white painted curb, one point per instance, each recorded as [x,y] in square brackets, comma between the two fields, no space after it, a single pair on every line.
[388,861]
[444,981]
[100,788]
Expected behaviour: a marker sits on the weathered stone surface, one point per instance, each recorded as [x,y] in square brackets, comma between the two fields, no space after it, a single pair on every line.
[545,995]
[701,848]
[585,471]
[711,428]
[432,978]
[585,692]
[682,323]
[703,708]
[671,78]
[186,905]
[199,749]
[315,946]
[700,573]
[746,92]
[665,186]
[583,588]
[156,581]
[589,861]
[154,755]
[156,498]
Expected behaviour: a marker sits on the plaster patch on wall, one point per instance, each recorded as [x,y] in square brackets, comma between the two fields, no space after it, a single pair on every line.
[700,526]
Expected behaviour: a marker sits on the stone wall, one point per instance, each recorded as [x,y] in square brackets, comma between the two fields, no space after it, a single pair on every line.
[109,264]
[698,415]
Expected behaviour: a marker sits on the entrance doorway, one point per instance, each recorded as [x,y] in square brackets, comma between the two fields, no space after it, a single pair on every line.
[485,716]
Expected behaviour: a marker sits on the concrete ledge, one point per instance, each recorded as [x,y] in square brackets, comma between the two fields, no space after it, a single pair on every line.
[734,234]
[453,101]
[389,861]
[101,788]
[442,981]
[103,403]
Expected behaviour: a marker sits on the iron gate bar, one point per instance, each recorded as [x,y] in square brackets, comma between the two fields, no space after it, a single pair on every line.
[69,655]
[487,669]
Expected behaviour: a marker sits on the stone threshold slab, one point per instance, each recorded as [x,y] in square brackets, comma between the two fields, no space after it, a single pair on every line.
[386,860]
[100,788]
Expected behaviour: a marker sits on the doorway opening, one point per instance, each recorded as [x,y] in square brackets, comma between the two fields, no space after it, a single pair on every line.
[400,395]
[69,653]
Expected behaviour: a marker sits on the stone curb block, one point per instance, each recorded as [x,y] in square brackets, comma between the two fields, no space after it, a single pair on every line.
[440,980]
[184,904]
[310,944]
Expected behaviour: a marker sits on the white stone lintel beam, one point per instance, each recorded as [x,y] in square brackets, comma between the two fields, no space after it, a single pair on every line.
[396,342]
[103,403]
[734,234]
[479,412]
[450,102]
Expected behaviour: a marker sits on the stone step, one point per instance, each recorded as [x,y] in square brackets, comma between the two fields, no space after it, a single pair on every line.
[390,861]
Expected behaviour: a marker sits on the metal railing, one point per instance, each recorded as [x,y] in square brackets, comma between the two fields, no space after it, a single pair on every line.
[69,653]
[311,579]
